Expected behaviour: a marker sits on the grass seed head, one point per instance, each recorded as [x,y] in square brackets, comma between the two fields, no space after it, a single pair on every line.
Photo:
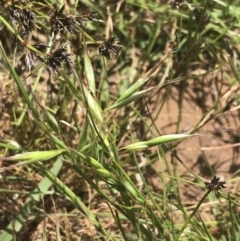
[31,56]
[110,48]
[56,58]
[215,185]
[61,22]
[176,3]
[24,19]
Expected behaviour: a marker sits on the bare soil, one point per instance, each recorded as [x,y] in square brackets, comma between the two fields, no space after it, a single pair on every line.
[216,147]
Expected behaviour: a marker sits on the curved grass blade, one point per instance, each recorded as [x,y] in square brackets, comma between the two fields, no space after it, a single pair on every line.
[30,157]
[34,156]
[89,73]
[155,141]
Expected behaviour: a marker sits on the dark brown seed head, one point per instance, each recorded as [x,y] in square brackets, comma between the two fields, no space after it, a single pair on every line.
[215,185]
[56,58]
[110,48]
[24,18]
[176,3]
[61,22]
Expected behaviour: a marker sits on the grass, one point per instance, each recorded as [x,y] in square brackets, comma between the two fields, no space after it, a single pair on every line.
[83,153]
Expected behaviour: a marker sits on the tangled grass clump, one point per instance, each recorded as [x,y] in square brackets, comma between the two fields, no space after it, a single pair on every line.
[100,102]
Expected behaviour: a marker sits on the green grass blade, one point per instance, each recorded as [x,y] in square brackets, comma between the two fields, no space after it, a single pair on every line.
[35,156]
[155,141]
[15,225]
